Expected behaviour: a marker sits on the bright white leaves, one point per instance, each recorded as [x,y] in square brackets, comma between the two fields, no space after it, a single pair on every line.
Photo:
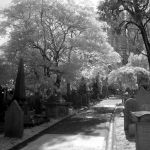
[129,77]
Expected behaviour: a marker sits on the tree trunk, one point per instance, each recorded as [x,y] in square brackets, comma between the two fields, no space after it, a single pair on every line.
[146,42]
[68,88]
[68,91]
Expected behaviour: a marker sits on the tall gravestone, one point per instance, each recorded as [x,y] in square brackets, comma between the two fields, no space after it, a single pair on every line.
[143,97]
[1,105]
[20,92]
[79,101]
[75,100]
[88,99]
[131,105]
[38,106]
[14,121]
[84,100]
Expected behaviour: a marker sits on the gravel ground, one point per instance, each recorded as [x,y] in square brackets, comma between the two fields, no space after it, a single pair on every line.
[121,142]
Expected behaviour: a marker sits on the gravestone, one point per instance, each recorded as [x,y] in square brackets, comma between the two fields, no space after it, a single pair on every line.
[131,105]
[75,99]
[145,107]
[71,98]
[14,121]
[38,106]
[68,97]
[142,120]
[84,100]
[143,97]
[79,101]
[88,99]
[51,99]
[2,109]
[65,97]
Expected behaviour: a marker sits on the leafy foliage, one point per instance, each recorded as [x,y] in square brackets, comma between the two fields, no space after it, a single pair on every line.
[58,41]
[129,77]
[138,61]
[132,16]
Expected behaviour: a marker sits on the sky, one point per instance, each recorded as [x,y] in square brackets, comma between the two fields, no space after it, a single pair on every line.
[4,3]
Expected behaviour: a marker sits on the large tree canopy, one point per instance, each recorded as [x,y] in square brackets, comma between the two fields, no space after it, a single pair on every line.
[129,77]
[132,15]
[136,60]
[57,39]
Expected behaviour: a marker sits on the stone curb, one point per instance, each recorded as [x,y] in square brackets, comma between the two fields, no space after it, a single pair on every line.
[32,138]
[111,138]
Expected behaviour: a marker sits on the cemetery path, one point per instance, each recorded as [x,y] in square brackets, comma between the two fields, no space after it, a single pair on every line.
[86,131]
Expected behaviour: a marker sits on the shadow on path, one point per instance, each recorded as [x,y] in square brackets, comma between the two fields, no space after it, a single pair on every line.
[85,124]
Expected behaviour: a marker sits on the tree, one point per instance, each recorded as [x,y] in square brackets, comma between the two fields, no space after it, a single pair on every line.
[136,60]
[8,71]
[57,39]
[128,15]
[44,27]
[129,77]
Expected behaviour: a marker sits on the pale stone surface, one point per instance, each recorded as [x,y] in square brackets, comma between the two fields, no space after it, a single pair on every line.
[14,121]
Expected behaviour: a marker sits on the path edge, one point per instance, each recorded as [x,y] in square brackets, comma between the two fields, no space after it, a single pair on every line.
[34,137]
[111,138]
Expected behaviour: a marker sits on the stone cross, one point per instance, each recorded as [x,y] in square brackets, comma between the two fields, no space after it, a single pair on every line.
[14,121]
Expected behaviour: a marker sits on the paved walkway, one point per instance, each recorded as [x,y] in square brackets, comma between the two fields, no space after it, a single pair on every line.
[85,131]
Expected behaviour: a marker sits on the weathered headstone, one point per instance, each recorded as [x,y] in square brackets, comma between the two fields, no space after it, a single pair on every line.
[79,101]
[1,105]
[65,97]
[68,97]
[25,108]
[38,106]
[142,120]
[84,100]
[51,99]
[14,121]
[145,107]
[131,105]
[143,97]
[132,129]
[75,99]
[88,99]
